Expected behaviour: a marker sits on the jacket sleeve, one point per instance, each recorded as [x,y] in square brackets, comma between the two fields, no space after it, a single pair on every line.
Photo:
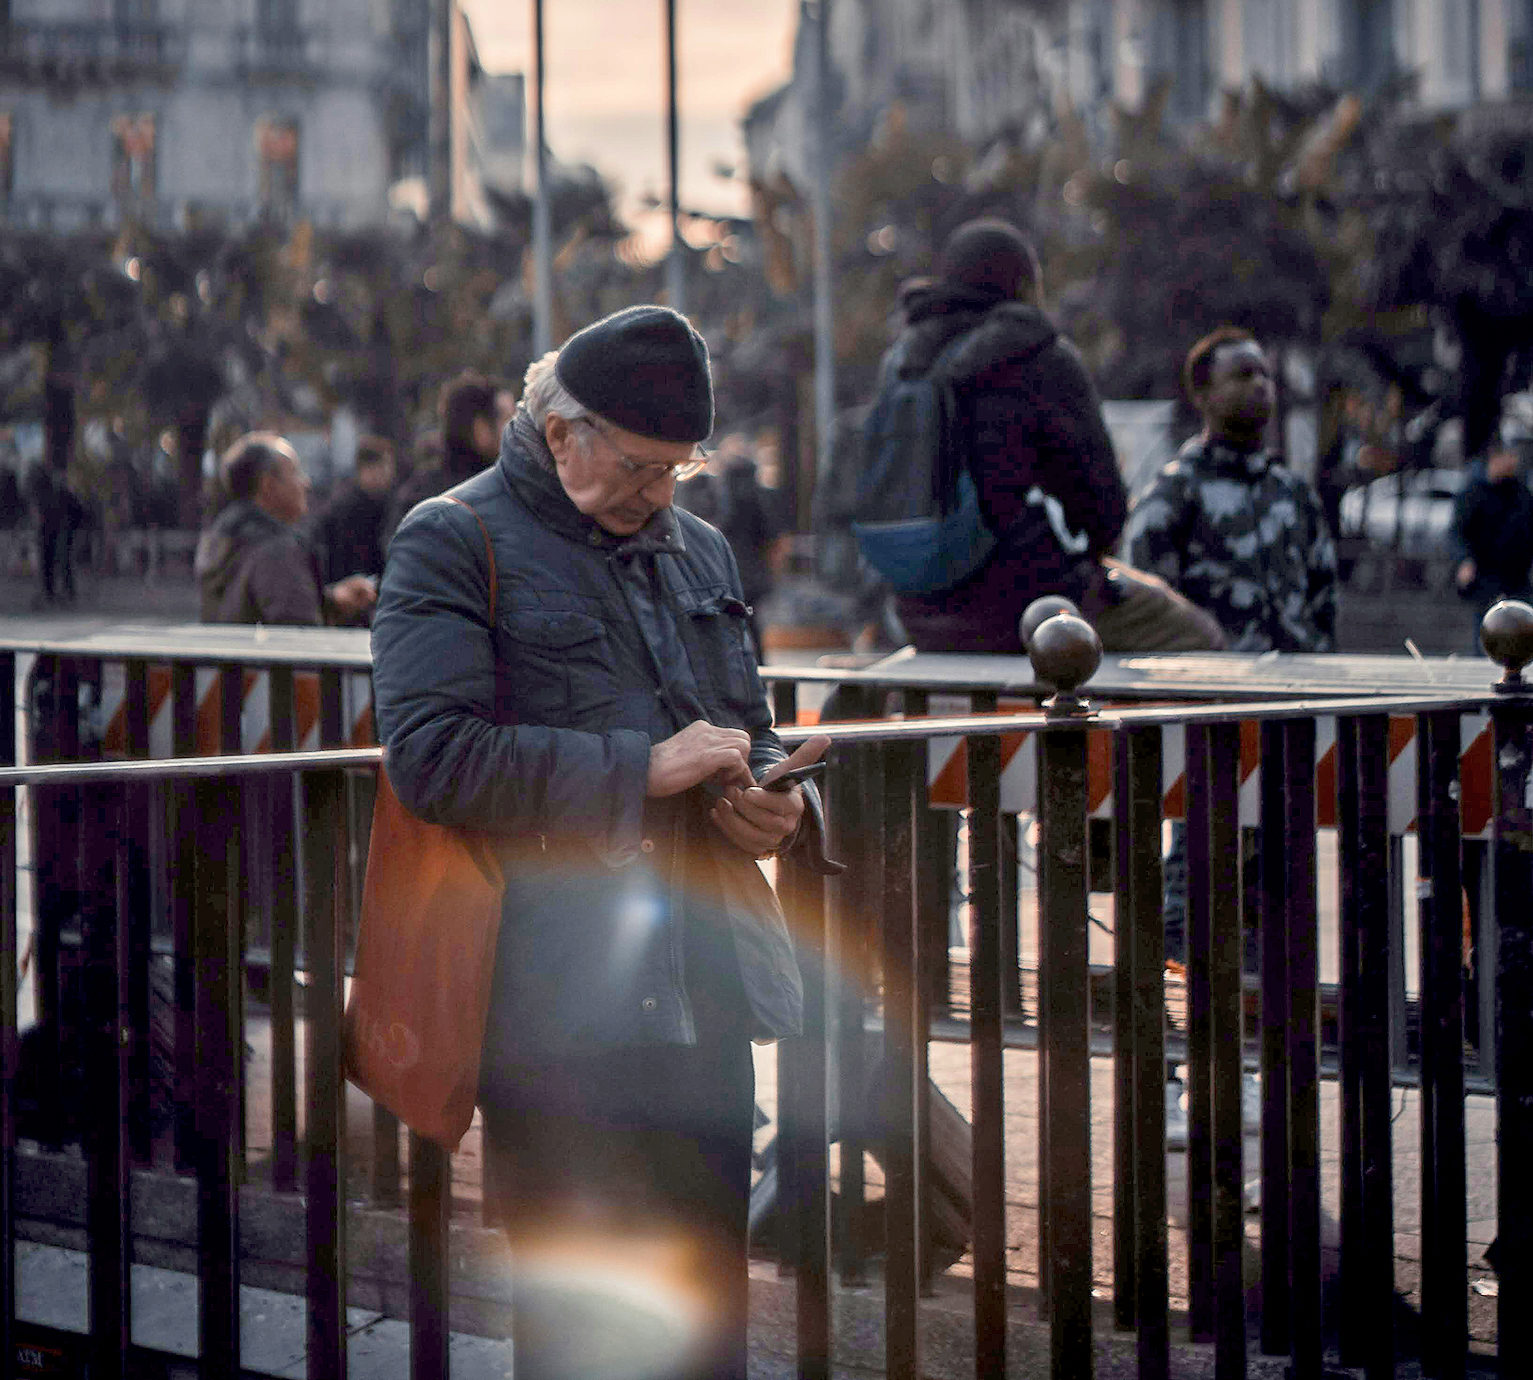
[1153,537]
[449,757]
[1321,603]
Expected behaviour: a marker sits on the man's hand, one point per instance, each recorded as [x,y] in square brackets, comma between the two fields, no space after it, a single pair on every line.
[758,821]
[698,752]
[1466,574]
[353,595]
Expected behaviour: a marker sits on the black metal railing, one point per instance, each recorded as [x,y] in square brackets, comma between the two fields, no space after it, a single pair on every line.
[870,950]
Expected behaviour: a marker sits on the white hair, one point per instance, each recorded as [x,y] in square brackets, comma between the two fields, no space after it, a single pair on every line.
[544,396]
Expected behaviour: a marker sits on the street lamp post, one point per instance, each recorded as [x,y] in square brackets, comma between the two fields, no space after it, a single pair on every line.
[542,249]
[675,264]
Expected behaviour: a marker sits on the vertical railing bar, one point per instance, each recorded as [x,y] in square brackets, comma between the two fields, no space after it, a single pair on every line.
[182,832]
[1351,1319]
[430,1217]
[784,703]
[217,957]
[1303,928]
[1377,1249]
[253,874]
[1513,844]
[1147,942]
[327,903]
[284,929]
[1011,914]
[1273,917]
[1200,1146]
[1125,1183]
[986,1049]
[859,1055]
[903,1170]
[332,715]
[9,1050]
[931,866]
[55,856]
[107,1073]
[134,917]
[1226,961]
[1428,958]
[1041,865]
[845,969]
[804,899]
[1446,1307]
[1063,916]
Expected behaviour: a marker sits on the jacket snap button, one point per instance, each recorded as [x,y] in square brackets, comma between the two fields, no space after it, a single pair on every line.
[648,846]
[649,1004]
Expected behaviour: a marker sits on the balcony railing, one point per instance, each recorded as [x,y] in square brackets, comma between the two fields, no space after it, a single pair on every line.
[86,50]
[272,53]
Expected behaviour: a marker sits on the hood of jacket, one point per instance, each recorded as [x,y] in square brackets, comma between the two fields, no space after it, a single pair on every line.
[222,548]
[994,328]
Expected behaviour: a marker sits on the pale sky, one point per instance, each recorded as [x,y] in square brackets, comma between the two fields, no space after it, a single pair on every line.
[605,99]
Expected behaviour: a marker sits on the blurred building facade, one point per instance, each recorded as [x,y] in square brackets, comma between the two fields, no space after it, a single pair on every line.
[236,110]
[987,70]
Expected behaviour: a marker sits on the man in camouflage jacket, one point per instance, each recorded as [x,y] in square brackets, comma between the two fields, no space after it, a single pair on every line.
[1228,523]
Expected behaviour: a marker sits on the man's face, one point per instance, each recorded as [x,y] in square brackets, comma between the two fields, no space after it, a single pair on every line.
[485,436]
[1240,394]
[284,488]
[376,479]
[1502,464]
[618,479]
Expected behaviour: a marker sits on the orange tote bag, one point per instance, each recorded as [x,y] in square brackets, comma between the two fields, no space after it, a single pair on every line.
[420,990]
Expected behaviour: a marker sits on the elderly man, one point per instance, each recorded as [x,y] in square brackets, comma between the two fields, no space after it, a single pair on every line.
[607,724]
[251,564]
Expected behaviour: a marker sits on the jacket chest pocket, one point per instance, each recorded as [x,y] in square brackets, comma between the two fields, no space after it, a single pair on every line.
[717,628]
[559,666]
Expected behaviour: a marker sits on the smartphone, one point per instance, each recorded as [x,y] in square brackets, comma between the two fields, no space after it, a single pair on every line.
[791,778]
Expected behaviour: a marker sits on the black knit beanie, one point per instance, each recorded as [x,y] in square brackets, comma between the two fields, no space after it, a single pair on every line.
[645,369]
[991,255]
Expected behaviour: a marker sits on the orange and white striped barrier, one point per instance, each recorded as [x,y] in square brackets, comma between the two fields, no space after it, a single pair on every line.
[947,770]
[255,710]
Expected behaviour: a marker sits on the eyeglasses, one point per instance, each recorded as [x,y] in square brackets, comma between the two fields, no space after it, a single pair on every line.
[648,472]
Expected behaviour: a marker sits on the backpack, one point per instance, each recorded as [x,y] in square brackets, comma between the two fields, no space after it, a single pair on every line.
[917,517]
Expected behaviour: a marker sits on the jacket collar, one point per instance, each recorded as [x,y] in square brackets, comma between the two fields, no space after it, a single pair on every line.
[1218,455]
[529,471]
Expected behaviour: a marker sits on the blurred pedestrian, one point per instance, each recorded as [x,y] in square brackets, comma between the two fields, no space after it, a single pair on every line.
[470,416]
[730,495]
[348,532]
[252,564]
[1228,523]
[1027,428]
[56,513]
[1493,523]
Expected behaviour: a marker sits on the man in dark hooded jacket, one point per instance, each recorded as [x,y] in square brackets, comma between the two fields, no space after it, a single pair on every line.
[251,564]
[1030,429]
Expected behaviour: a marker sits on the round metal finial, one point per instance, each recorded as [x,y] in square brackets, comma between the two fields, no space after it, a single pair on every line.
[1506,633]
[1065,652]
[1039,611]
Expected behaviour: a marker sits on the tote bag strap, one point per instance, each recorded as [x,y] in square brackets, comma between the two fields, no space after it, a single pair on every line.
[489,549]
